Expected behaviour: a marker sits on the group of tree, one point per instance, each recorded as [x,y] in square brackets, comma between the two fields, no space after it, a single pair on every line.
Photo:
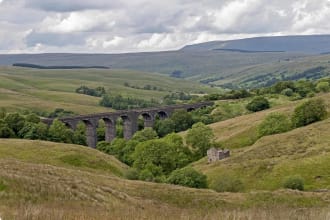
[304,114]
[120,102]
[163,159]
[15,125]
[294,89]
[98,91]
[145,87]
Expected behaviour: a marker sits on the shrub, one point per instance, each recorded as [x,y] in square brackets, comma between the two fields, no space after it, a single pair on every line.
[132,174]
[287,92]
[323,87]
[187,177]
[227,183]
[309,112]
[294,182]
[274,123]
[258,104]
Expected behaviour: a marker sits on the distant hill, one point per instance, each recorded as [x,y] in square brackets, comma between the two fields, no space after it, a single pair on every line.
[230,64]
[313,44]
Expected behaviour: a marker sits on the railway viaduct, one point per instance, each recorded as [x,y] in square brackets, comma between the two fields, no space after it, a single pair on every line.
[130,120]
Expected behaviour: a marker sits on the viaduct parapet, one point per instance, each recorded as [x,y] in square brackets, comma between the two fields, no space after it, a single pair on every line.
[130,120]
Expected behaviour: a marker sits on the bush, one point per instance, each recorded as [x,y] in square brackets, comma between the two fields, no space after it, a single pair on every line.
[323,87]
[258,104]
[132,174]
[294,182]
[274,123]
[187,177]
[227,183]
[309,112]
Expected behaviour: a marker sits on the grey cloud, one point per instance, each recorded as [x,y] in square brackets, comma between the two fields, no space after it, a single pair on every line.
[54,39]
[71,5]
[135,25]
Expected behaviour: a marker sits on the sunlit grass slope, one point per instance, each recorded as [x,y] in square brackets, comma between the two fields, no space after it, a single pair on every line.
[45,90]
[266,163]
[42,180]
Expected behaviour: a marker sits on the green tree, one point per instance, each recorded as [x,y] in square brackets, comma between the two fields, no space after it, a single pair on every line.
[32,118]
[227,183]
[200,137]
[188,177]
[164,127]
[258,104]
[274,123]
[182,120]
[156,152]
[294,182]
[5,131]
[79,135]
[145,135]
[323,87]
[15,122]
[58,132]
[309,112]
[183,154]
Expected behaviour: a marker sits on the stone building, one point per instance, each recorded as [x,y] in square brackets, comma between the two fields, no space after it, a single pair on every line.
[214,154]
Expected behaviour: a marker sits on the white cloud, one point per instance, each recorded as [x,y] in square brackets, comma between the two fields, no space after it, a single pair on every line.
[146,25]
[77,22]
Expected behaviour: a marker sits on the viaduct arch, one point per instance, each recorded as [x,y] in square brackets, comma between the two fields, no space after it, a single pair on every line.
[130,120]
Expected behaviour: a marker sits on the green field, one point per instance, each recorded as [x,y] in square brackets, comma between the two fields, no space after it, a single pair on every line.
[43,180]
[46,90]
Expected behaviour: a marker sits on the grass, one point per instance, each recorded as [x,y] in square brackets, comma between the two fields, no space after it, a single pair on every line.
[265,164]
[56,154]
[45,90]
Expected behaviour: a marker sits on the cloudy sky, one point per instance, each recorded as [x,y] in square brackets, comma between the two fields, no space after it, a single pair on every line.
[116,26]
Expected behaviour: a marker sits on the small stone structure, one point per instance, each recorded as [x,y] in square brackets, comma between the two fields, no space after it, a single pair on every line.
[214,154]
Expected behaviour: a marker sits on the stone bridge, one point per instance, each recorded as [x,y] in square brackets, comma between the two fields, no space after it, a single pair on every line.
[130,120]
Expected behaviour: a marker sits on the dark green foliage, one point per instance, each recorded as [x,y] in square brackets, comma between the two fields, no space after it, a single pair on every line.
[3,185]
[33,118]
[59,112]
[79,136]
[155,153]
[258,104]
[5,131]
[119,102]
[58,132]
[15,122]
[323,87]
[98,92]
[200,137]
[227,183]
[164,127]
[182,120]
[183,154]
[274,123]
[309,112]
[287,92]
[131,174]
[294,182]
[233,94]
[34,131]
[126,153]
[188,177]
[145,135]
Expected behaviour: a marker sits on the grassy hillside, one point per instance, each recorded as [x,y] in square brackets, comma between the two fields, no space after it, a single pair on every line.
[263,164]
[313,67]
[56,154]
[36,184]
[45,90]
[193,64]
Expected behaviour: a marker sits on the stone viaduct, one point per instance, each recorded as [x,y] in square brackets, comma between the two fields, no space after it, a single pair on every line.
[130,120]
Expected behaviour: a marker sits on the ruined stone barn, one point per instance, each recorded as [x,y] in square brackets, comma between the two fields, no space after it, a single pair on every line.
[214,154]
